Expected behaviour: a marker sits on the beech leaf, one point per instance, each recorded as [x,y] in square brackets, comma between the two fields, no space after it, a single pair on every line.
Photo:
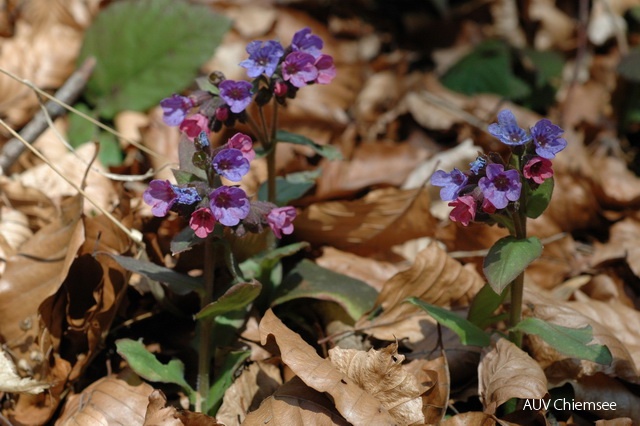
[12,383]
[509,257]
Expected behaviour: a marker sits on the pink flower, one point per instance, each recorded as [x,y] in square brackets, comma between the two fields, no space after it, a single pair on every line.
[487,207]
[194,124]
[244,144]
[538,169]
[202,222]
[281,219]
[464,209]
[326,69]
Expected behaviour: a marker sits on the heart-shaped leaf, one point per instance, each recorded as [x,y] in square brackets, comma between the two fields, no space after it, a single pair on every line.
[508,257]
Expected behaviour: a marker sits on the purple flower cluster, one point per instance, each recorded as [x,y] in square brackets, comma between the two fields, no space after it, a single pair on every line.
[492,185]
[278,73]
[206,205]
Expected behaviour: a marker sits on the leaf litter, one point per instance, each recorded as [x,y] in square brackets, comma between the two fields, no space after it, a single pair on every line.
[62,306]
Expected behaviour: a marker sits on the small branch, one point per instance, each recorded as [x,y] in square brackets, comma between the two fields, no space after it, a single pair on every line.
[68,93]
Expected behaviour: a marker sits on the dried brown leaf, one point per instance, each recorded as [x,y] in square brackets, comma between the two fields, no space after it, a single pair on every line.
[434,374]
[434,278]
[14,227]
[601,388]
[158,414]
[506,372]
[470,418]
[110,400]
[12,383]
[382,218]
[381,374]
[617,185]
[356,405]
[295,404]
[246,393]
[41,266]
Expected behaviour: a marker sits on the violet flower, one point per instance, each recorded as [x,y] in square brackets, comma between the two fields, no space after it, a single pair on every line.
[231,164]
[281,219]
[500,186]
[304,41]
[175,109]
[229,205]
[298,69]
[507,129]
[546,137]
[263,58]
[162,195]
[326,69]
[237,94]
[538,169]
[451,183]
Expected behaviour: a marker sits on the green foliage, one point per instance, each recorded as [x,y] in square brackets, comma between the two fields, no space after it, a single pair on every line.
[469,333]
[232,363]
[308,280]
[538,200]
[484,305]
[238,296]
[509,257]
[291,187]
[177,282]
[82,131]
[147,366]
[146,49]
[487,69]
[327,151]
[573,342]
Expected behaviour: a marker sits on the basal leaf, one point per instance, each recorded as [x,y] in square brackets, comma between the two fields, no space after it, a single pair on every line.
[327,151]
[224,379]
[484,305]
[538,199]
[179,283]
[290,187]
[146,365]
[236,297]
[507,258]
[469,333]
[573,342]
[146,50]
[308,280]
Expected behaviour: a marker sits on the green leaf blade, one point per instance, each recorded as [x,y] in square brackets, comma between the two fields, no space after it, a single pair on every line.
[327,151]
[573,342]
[508,258]
[538,200]
[236,297]
[469,333]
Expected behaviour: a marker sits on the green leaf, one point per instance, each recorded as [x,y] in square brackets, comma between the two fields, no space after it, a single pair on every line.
[290,187]
[110,153]
[487,69]
[538,199]
[265,261]
[328,151]
[509,257]
[308,280]
[484,305]
[224,379]
[548,65]
[236,297]
[184,240]
[147,366]
[81,130]
[146,50]
[469,333]
[629,66]
[569,341]
[177,282]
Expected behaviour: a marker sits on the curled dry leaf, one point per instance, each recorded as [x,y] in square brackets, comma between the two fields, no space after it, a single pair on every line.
[617,185]
[433,278]
[38,270]
[381,374]
[470,418]
[158,414]
[253,386]
[622,244]
[295,404]
[382,218]
[14,227]
[557,367]
[506,372]
[353,403]
[600,388]
[12,383]
[119,399]
[434,374]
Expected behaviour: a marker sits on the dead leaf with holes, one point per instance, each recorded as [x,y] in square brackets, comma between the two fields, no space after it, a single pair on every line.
[506,372]
[353,403]
[381,374]
[380,219]
[433,278]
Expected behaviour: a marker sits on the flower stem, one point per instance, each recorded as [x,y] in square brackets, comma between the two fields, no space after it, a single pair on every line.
[206,324]
[517,286]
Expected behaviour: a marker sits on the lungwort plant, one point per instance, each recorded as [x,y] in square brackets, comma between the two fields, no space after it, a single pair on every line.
[509,191]
[206,194]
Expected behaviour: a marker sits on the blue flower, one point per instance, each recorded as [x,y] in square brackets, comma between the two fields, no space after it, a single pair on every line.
[231,164]
[229,205]
[263,58]
[162,195]
[546,137]
[507,129]
[451,183]
[477,165]
[237,94]
[175,109]
[500,186]
[306,42]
